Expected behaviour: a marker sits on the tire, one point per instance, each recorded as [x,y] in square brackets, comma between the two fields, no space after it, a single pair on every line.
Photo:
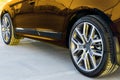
[7,30]
[91,46]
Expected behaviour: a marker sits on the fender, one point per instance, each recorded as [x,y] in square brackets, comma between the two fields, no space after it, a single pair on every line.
[102,5]
[11,7]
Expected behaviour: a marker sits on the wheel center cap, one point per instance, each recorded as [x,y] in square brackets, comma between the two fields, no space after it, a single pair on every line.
[87,45]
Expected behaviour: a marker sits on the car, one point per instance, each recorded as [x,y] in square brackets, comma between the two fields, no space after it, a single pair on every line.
[88,28]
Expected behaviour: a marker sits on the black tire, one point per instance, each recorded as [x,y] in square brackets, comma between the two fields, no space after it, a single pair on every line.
[7,30]
[102,65]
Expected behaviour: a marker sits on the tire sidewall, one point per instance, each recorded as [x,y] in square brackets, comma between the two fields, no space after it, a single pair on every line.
[101,29]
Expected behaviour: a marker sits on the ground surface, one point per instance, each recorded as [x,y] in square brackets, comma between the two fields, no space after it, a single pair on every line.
[34,60]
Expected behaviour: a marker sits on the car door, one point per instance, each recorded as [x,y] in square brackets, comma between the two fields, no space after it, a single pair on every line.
[24,15]
[51,15]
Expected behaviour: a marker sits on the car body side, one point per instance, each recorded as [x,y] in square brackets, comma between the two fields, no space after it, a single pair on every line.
[52,20]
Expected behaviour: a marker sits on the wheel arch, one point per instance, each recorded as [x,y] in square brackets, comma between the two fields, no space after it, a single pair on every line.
[81,13]
[7,9]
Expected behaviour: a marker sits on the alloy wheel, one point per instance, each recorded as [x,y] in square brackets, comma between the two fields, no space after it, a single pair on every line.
[86,46]
[5,28]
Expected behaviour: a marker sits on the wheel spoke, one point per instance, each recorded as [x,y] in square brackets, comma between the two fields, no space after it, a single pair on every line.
[7,36]
[96,41]
[6,20]
[92,33]
[3,29]
[74,51]
[8,25]
[3,22]
[93,61]
[79,60]
[85,30]
[80,35]
[8,31]
[74,41]
[79,46]
[3,34]
[86,62]
[97,54]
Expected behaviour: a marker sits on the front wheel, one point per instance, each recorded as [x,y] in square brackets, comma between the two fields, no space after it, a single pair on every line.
[7,30]
[90,44]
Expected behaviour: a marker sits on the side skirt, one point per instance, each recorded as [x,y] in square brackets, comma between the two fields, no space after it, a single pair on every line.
[54,35]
